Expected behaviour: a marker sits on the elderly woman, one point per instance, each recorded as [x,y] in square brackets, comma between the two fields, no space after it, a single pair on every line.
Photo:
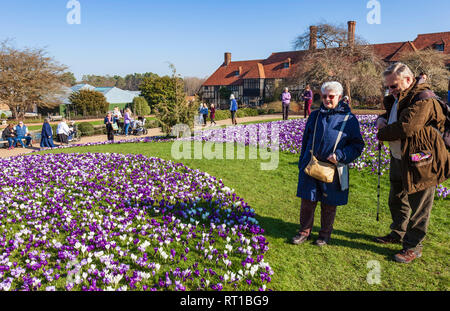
[333,136]
[47,135]
[285,101]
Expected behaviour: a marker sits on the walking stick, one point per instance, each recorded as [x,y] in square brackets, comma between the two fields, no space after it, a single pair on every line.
[379,175]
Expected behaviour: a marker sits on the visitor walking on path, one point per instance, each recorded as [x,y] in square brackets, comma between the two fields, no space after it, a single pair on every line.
[212,115]
[47,135]
[285,102]
[109,121]
[204,113]
[308,99]
[323,139]
[412,125]
[127,120]
[233,109]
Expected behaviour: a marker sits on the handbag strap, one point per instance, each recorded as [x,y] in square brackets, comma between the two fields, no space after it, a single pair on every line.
[341,131]
[314,136]
[339,135]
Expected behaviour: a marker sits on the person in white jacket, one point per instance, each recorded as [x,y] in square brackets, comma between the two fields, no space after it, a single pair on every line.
[63,132]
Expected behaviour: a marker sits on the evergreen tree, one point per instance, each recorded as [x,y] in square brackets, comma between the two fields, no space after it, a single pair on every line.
[174,108]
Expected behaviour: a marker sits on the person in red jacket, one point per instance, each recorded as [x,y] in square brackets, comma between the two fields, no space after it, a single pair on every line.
[212,114]
[308,98]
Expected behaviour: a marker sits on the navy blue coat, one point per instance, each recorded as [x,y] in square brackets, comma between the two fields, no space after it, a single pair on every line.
[46,132]
[348,149]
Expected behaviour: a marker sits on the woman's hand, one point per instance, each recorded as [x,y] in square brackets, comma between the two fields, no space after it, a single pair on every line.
[332,158]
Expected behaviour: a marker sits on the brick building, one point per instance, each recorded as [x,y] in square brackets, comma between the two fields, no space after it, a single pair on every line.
[253,81]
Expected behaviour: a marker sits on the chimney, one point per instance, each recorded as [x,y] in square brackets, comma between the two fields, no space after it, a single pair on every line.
[289,62]
[240,70]
[227,58]
[351,33]
[313,37]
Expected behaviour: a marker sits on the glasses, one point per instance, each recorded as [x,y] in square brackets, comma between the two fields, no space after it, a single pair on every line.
[328,96]
[392,87]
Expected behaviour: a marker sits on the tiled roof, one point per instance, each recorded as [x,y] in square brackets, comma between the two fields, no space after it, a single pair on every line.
[225,75]
[273,67]
[427,40]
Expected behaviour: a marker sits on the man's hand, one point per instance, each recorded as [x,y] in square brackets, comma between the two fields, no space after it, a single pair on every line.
[381,122]
[332,158]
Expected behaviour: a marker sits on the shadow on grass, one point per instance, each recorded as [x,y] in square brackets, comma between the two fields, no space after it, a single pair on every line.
[280,229]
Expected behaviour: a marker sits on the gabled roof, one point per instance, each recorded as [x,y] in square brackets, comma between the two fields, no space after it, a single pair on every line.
[407,47]
[273,66]
[225,74]
[84,86]
[428,40]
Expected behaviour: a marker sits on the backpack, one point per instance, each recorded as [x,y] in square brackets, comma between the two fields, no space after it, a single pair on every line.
[445,109]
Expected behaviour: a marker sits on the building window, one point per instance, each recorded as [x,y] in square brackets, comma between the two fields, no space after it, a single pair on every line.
[285,65]
[439,47]
[251,84]
[236,73]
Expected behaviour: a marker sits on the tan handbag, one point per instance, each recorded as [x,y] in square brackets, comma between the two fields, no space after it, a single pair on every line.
[319,170]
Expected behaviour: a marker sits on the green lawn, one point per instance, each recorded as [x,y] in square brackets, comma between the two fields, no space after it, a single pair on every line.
[342,265]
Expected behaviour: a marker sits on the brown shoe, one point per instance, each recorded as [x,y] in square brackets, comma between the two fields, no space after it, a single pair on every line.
[407,255]
[387,239]
[300,238]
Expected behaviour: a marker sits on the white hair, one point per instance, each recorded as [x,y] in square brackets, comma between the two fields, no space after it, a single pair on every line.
[399,69]
[231,96]
[332,86]
[286,89]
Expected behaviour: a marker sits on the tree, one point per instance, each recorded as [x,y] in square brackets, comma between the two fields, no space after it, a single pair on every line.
[328,36]
[432,63]
[192,85]
[87,102]
[356,66]
[28,77]
[156,89]
[140,106]
[174,109]
[68,79]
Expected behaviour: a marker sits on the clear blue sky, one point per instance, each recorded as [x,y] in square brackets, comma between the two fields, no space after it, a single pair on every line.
[121,37]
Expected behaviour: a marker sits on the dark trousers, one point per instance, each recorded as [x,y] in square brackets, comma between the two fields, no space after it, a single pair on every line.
[110,132]
[233,117]
[27,140]
[205,117]
[285,111]
[410,213]
[328,214]
[63,139]
[307,109]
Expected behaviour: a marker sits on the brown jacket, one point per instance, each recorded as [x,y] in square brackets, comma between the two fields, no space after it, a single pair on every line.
[416,127]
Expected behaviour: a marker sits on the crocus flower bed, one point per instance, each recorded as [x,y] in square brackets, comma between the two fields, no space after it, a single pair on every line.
[124,222]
